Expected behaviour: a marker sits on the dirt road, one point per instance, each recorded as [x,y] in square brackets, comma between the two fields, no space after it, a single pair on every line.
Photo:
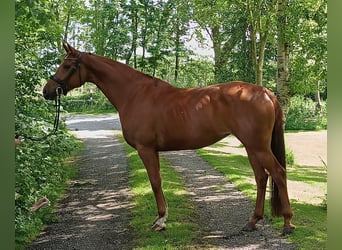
[309,148]
[94,214]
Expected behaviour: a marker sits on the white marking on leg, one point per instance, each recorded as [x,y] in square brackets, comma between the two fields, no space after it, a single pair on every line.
[159,224]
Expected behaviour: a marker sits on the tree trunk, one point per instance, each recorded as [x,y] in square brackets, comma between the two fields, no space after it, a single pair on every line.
[99,27]
[134,37]
[177,51]
[66,28]
[259,33]
[252,35]
[283,59]
[218,64]
[261,57]
[143,45]
[254,57]
[318,98]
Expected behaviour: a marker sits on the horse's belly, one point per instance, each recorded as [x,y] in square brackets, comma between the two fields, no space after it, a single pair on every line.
[184,141]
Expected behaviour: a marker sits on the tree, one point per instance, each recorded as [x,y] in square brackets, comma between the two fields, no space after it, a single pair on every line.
[283,57]
[308,40]
[109,28]
[239,31]
[222,44]
[179,25]
[150,35]
[160,40]
[260,19]
[133,16]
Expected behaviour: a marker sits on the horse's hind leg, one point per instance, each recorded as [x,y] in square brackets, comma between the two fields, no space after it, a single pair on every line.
[261,180]
[278,173]
[150,159]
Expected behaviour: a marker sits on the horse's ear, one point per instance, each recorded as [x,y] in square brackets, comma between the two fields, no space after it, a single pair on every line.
[66,47]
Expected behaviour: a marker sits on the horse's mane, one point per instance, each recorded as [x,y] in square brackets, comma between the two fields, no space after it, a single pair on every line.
[125,66]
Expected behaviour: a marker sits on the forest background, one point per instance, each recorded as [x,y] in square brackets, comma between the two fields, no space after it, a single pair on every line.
[278,44]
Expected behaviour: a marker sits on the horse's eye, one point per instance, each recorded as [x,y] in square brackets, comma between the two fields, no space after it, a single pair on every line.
[66,66]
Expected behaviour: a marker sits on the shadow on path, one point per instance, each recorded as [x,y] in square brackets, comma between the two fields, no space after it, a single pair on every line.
[220,209]
[95,212]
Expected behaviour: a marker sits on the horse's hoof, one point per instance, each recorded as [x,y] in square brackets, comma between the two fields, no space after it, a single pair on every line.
[249,227]
[288,229]
[159,226]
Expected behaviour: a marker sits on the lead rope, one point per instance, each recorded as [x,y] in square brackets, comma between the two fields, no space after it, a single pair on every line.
[59,91]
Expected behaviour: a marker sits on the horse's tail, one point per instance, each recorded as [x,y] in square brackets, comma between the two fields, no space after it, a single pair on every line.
[278,149]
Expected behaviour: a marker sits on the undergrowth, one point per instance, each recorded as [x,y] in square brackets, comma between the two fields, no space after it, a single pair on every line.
[304,114]
[41,170]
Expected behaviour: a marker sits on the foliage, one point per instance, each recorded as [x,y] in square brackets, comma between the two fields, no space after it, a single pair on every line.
[154,36]
[39,170]
[196,73]
[290,160]
[145,34]
[87,100]
[304,114]
[308,56]
[237,29]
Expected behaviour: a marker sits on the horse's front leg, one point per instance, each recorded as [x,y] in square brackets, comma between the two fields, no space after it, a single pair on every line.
[150,158]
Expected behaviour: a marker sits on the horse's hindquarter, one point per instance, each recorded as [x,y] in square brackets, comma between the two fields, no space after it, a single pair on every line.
[253,113]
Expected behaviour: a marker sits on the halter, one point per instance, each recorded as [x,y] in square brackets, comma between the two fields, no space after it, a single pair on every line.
[64,83]
[55,124]
[59,90]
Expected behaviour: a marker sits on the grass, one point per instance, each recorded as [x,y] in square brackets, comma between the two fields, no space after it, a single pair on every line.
[181,228]
[309,175]
[311,220]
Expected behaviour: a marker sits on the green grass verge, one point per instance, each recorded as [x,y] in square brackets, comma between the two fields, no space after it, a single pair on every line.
[311,220]
[181,228]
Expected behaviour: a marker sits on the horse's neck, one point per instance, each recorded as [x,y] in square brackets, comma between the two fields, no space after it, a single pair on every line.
[117,81]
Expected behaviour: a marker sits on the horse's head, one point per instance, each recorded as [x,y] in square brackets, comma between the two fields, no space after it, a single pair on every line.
[68,75]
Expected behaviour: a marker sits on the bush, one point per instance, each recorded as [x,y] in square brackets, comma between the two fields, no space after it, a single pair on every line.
[86,103]
[289,157]
[305,115]
[40,171]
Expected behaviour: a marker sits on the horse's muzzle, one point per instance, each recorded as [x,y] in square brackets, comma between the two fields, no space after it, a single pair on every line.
[47,95]
[52,93]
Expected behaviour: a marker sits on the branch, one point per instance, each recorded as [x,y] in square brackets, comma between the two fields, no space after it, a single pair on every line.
[42,202]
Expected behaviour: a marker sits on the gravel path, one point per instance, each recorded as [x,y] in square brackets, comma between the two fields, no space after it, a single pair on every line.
[221,210]
[94,214]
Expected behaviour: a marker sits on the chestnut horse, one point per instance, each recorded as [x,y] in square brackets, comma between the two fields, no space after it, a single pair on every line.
[156,116]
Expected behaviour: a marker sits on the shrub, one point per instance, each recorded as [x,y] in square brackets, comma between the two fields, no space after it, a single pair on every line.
[289,157]
[305,115]
[40,171]
[86,103]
